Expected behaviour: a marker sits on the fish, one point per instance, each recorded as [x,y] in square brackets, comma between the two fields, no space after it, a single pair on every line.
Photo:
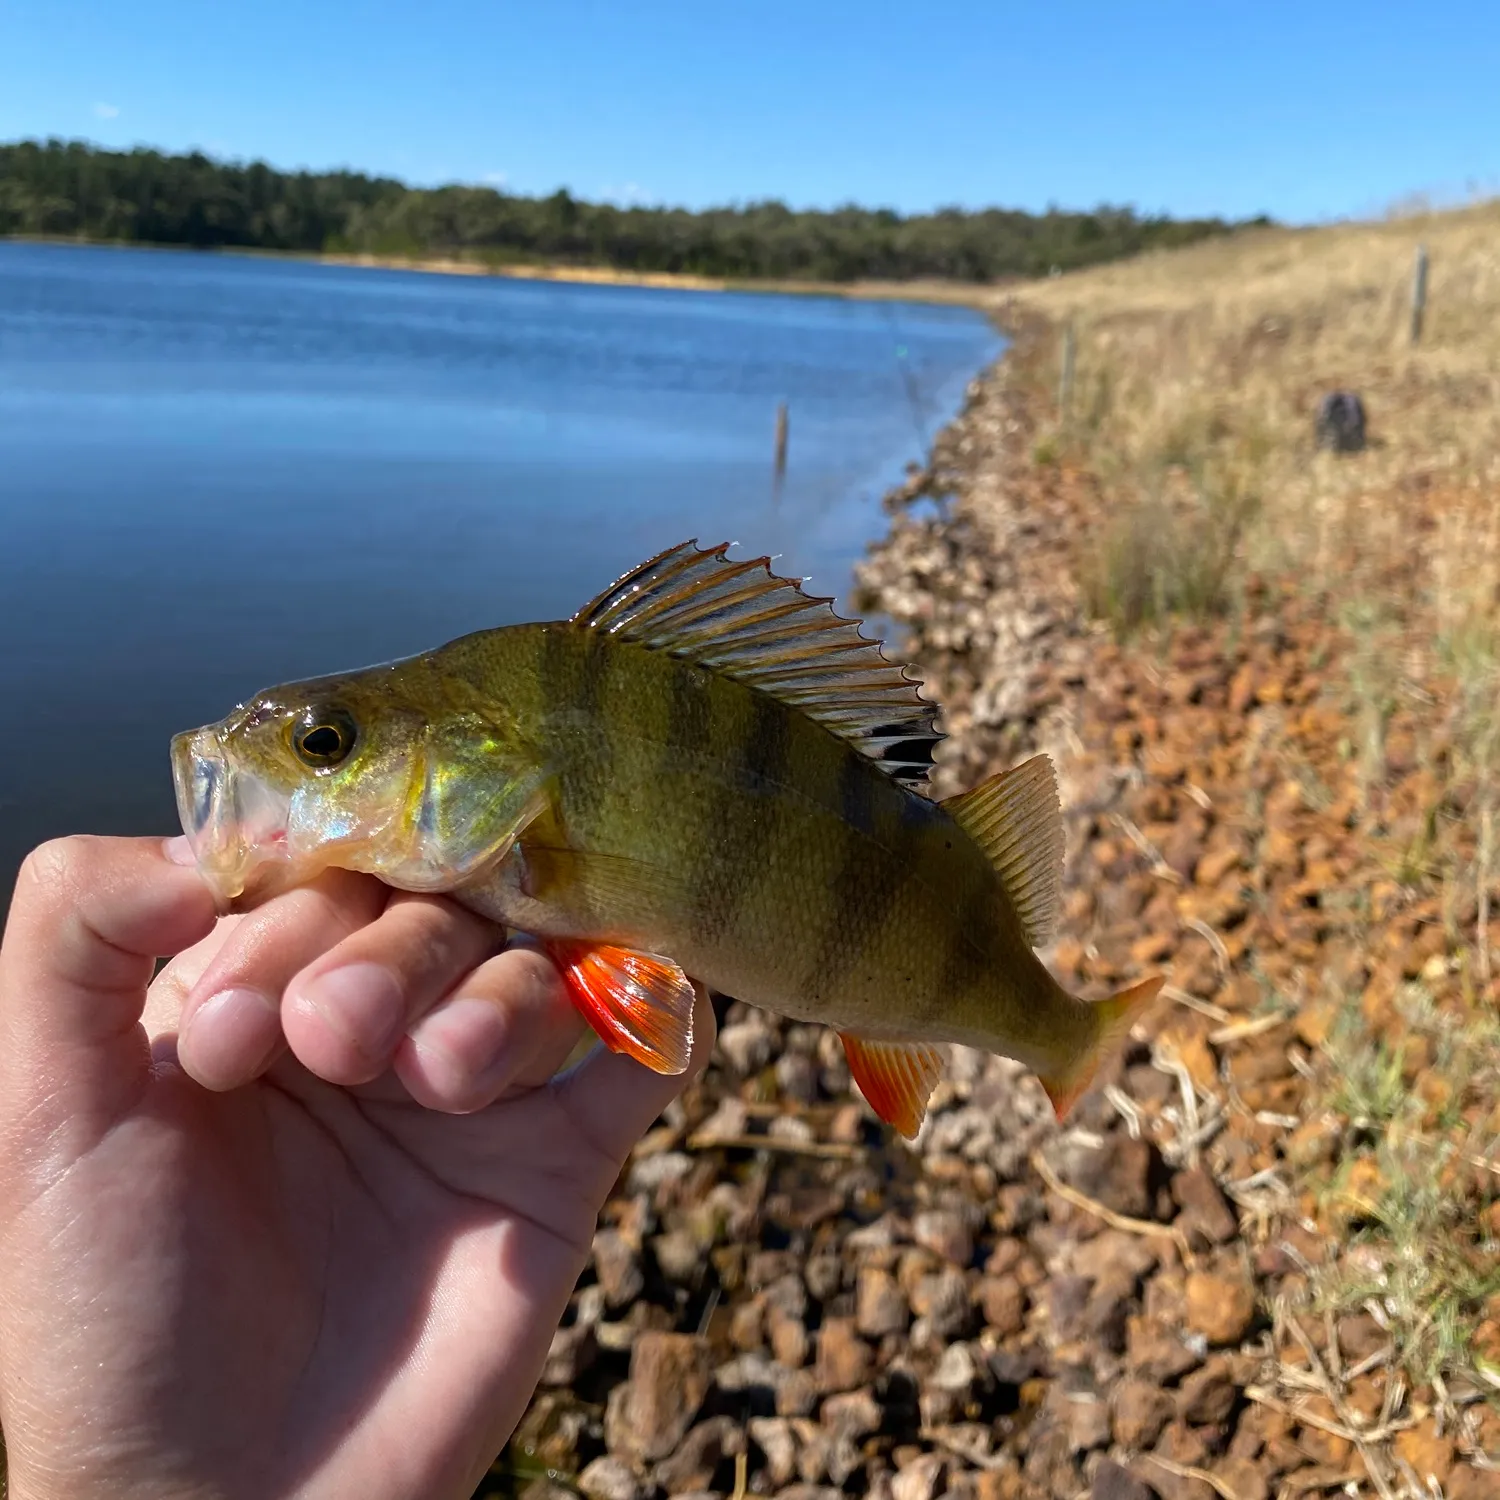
[706,774]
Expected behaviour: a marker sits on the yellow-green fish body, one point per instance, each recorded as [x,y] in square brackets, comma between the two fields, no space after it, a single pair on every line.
[704,772]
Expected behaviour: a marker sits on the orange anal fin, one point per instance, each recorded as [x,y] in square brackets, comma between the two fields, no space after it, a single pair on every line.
[1116,1016]
[638,1003]
[897,1078]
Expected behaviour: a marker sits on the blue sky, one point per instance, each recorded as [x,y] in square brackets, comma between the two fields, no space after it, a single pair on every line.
[1304,111]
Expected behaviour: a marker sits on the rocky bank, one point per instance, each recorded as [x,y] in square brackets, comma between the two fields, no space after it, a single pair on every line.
[787,1300]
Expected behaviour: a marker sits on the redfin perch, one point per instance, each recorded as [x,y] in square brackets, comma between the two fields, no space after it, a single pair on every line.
[704,772]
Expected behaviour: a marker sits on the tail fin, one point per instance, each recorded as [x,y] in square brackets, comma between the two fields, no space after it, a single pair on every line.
[1114,1017]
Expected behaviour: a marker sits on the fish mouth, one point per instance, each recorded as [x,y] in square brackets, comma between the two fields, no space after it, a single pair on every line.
[235,823]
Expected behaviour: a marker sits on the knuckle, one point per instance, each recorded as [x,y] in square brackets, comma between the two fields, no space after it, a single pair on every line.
[54,872]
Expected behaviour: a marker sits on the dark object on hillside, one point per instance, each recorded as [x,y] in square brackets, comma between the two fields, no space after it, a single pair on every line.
[1341,422]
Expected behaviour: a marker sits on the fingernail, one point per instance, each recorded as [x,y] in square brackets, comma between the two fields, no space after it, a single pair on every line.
[362,1003]
[179,850]
[231,1037]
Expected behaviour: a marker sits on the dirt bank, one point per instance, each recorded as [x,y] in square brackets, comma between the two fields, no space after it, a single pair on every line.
[1261,1258]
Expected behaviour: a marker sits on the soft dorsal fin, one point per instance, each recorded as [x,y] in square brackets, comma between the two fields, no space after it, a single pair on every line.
[738,618]
[1016,819]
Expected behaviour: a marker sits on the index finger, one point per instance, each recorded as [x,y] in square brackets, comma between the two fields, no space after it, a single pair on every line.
[88,919]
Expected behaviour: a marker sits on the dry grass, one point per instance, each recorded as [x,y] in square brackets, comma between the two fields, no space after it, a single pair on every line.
[1198,374]
[1406,1184]
[1210,362]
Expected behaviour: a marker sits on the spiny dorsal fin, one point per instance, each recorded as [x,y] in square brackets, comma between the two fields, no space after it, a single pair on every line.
[1016,819]
[738,618]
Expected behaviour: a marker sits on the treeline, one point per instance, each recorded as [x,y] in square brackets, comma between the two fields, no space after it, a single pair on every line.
[69,189]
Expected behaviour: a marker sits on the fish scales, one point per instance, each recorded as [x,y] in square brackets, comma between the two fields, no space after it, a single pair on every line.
[815,881]
[705,772]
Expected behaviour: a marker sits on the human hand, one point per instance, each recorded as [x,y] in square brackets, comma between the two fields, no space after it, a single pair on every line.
[243,1248]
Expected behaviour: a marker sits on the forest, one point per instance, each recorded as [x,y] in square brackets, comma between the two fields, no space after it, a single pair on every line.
[73,190]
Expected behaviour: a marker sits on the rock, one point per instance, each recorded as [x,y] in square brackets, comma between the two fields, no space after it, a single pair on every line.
[956,1371]
[919,1479]
[785,1294]
[652,1410]
[745,1047]
[1204,1207]
[1116,1174]
[797,1395]
[647,1173]
[1339,426]
[773,1436]
[942,1298]
[1220,1306]
[1155,1352]
[1430,1456]
[608,1478]
[1112,1252]
[944,1232]
[879,1304]
[1243,1479]
[573,1350]
[789,1340]
[1111,1482]
[1360,1336]
[1208,1395]
[797,1077]
[844,1359]
[699,1456]
[1141,1410]
[1186,1448]
[1086,1417]
[846,1419]
[1469,1482]
[617,1264]
[1003,1303]
[747,1324]
[809,1492]
[824,1274]
[1066,1298]
[853,1414]
[1107,1315]
[679,1256]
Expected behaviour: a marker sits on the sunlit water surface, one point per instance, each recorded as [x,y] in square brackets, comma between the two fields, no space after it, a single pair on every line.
[217,473]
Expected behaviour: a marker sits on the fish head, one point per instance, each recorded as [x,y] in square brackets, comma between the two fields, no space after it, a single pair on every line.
[373,771]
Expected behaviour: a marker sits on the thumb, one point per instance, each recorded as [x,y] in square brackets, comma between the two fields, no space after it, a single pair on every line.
[611,1099]
[88,918]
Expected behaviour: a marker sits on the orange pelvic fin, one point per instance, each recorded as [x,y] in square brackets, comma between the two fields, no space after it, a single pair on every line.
[896,1077]
[1115,1017]
[639,1003]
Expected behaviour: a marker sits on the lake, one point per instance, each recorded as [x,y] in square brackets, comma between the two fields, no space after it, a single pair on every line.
[221,472]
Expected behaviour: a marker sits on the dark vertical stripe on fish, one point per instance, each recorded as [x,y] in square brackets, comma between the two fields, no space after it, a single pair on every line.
[744,820]
[864,890]
[575,664]
[857,791]
[965,961]
[688,730]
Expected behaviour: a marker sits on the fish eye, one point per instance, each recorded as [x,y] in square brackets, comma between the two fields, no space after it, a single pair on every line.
[323,738]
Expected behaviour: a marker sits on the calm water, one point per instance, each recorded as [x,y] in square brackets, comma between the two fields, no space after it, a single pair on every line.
[219,473]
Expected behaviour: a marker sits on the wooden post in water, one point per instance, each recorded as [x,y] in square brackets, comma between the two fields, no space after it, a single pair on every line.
[1065,378]
[1418,294]
[781,426]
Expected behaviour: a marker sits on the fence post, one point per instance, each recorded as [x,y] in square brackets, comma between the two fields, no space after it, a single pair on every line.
[1065,378]
[1418,294]
[781,426]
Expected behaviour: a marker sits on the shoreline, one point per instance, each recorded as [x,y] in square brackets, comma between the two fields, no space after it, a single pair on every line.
[986,297]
